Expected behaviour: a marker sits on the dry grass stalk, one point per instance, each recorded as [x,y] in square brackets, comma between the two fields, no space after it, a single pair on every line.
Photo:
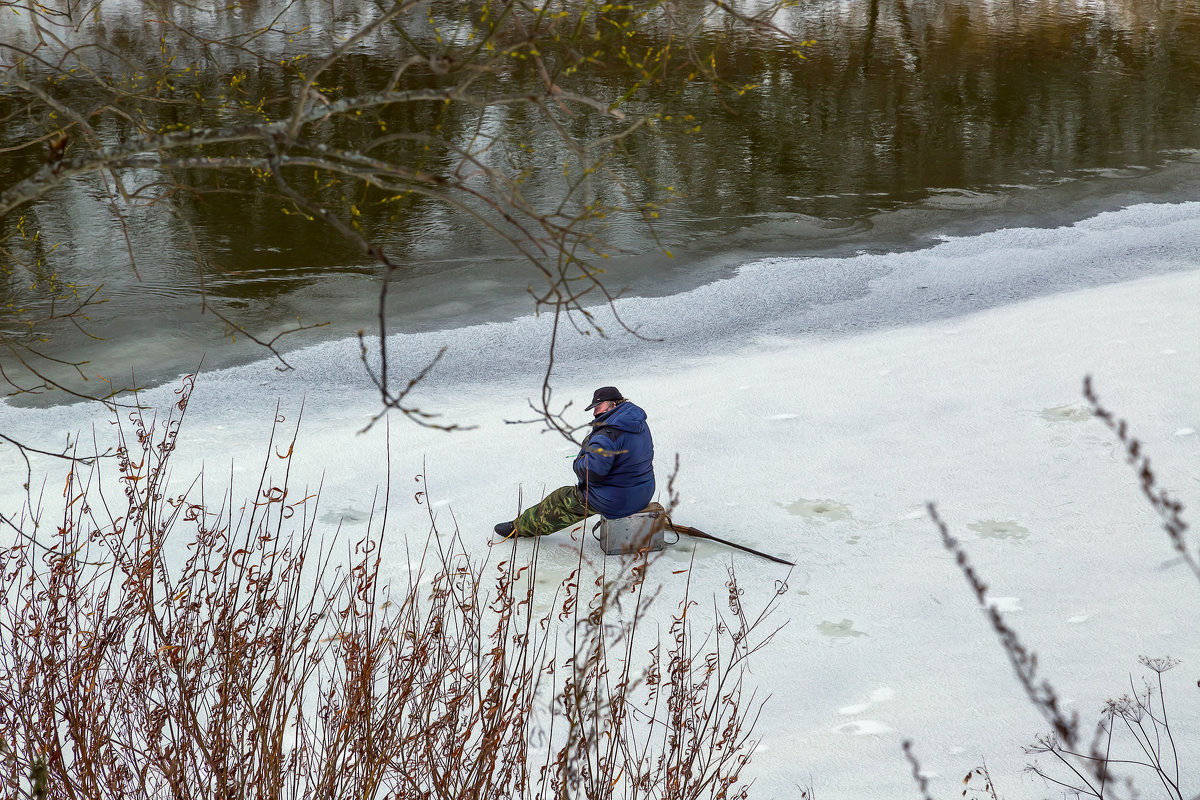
[159,646]
[1134,733]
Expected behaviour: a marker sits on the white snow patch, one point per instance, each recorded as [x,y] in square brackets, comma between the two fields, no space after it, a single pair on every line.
[1005,605]
[880,695]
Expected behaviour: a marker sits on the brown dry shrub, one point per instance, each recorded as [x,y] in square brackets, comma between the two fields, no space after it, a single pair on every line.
[160,646]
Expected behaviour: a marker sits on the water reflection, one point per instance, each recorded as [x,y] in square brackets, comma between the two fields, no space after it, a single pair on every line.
[945,102]
[900,98]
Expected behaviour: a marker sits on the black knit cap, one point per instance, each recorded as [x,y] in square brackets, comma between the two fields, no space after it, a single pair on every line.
[603,394]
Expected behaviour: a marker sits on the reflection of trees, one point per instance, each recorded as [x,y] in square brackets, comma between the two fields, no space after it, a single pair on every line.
[901,97]
[322,130]
[898,97]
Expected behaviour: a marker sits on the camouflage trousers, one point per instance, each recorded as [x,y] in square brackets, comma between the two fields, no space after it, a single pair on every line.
[562,508]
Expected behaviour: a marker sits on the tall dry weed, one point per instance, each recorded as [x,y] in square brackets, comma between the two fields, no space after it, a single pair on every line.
[162,645]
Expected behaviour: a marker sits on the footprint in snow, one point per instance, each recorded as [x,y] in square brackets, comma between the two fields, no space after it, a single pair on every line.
[880,695]
[863,727]
[1076,412]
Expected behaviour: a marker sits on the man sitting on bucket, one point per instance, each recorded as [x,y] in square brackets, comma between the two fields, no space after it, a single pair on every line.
[614,466]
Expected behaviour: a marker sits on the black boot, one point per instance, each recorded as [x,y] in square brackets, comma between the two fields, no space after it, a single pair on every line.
[505,529]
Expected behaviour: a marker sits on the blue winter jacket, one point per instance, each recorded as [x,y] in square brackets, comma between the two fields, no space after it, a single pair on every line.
[615,466]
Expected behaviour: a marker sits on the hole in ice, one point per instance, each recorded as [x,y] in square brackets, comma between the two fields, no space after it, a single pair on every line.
[839,630]
[345,516]
[824,510]
[993,529]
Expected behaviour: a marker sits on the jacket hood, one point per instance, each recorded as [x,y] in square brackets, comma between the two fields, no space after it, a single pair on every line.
[625,417]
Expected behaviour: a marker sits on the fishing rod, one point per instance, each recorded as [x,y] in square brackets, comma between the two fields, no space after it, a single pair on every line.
[687,530]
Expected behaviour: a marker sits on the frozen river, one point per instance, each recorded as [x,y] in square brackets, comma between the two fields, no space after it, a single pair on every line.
[823,444]
[879,282]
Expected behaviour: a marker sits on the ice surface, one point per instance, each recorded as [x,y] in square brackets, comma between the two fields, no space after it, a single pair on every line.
[824,447]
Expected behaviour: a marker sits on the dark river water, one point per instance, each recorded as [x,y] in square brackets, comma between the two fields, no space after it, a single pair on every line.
[908,120]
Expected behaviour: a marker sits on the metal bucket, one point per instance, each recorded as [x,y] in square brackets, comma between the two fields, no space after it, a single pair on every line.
[641,531]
